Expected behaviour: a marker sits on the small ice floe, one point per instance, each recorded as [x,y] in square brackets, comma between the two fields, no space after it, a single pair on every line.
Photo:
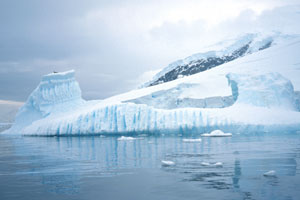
[102,136]
[143,135]
[271,173]
[124,138]
[216,133]
[217,164]
[205,164]
[192,140]
[167,163]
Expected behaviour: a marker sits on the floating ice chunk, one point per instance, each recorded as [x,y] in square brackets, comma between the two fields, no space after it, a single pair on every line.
[124,138]
[218,164]
[167,163]
[192,140]
[205,164]
[216,133]
[143,135]
[271,173]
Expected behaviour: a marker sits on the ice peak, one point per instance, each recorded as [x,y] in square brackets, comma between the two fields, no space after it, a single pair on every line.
[57,92]
[56,88]
[216,55]
[59,75]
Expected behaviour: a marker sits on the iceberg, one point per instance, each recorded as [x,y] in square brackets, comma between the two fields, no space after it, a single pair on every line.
[167,163]
[258,92]
[217,164]
[216,133]
[205,164]
[270,173]
[192,140]
[124,138]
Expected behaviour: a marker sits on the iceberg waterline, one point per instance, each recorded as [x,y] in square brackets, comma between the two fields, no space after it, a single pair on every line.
[263,101]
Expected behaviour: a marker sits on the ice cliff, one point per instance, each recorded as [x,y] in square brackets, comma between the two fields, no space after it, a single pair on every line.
[269,90]
[258,92]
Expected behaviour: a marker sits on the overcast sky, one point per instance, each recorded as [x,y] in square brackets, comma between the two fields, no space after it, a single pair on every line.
[112,43]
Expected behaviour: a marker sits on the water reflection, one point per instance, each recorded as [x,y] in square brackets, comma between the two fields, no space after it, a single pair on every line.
[237,173]
[58,165]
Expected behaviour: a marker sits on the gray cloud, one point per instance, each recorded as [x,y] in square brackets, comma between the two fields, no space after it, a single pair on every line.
[110,43]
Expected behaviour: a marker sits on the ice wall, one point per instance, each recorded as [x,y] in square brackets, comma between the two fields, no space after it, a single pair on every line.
[270,90]
[132,118]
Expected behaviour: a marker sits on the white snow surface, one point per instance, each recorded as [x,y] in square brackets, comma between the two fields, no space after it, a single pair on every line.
[263,85]
[226,48]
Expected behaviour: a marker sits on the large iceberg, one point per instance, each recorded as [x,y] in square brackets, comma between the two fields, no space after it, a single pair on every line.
[258,92]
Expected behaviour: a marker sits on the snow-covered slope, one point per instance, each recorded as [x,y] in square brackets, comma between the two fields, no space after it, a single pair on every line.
[228,51]
[258,92]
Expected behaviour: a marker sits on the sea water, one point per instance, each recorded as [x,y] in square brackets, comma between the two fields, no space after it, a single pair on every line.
[107,167]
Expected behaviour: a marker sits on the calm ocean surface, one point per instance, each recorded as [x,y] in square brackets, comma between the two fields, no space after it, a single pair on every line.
[104,168]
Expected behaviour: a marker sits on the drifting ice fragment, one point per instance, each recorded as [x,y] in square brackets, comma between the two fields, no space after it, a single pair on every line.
[205,164]
[124,138]
[216,133]
[271,173]
[167,163]
[218,164]
[192,140]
